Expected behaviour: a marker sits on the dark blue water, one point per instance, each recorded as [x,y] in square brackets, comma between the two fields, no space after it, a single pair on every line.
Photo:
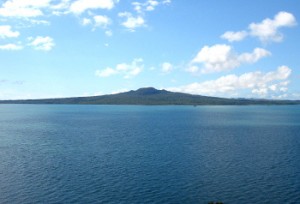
[149,154]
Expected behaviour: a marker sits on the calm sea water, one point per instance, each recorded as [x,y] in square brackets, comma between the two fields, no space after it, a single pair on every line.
[149,154]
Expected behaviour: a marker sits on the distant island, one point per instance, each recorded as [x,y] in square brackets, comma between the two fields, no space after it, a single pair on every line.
[152,96]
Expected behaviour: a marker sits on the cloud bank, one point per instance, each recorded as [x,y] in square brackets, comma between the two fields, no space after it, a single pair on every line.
[258,83]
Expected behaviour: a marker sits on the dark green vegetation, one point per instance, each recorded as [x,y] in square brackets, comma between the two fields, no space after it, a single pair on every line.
[152,96]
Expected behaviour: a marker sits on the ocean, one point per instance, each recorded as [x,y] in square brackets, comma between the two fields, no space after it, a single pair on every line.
[149,154]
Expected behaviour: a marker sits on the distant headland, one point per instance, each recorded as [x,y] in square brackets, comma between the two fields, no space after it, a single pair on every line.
[152,96]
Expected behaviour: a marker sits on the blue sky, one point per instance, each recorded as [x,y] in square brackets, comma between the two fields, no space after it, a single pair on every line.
[65,48]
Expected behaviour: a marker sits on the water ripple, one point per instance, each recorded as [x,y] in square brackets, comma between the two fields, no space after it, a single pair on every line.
[130,154]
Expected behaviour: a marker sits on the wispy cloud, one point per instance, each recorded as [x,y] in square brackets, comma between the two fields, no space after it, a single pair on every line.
[18,82]
[86,21]
[149,5]
[81,6]
[127,70]
[167,67]
[108,33]
[39,22]
[42,43]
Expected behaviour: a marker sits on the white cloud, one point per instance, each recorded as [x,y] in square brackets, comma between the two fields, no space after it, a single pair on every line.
[108,33]
[257,83]
[166,67]
[127,70]
[193,69]
[283,96]
[86,21]
[23,8]
[124,14]
[253,57]
[119,91]
[107,72]
[137,6]
[11,47]
[98,21]
[221,57]
[282,86]
[152,2]
[149,5]
[63,4]
[6,32]
[267,30]
[132,22]
[234,36]
[166,2]
[273,87]
[39,22]
[296,96]
[101,21]
[80,6]
[42,43]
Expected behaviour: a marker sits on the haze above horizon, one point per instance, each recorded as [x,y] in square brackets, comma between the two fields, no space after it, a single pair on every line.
[73,48]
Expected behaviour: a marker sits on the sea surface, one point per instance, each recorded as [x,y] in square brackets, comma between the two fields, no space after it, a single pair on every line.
[149,154]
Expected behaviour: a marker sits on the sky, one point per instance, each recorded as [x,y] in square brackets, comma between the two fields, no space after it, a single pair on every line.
[224,48]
